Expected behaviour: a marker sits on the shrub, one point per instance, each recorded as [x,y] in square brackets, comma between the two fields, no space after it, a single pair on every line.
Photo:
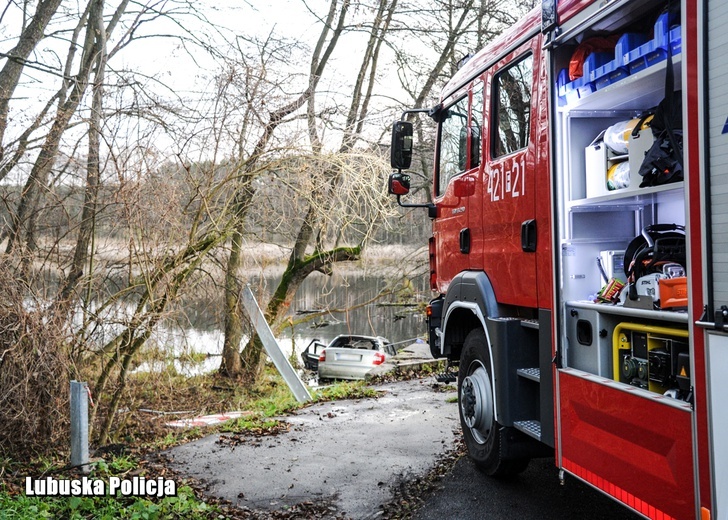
[34,381]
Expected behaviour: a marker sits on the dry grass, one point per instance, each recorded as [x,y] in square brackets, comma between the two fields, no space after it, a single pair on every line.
[34,379]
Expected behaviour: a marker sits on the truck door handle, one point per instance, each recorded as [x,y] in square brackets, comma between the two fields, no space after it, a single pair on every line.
[528,236]
[465,241]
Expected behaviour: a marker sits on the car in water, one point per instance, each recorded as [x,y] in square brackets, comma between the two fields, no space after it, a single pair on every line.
[348,356]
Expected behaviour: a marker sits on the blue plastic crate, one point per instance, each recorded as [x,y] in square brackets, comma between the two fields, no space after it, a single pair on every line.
[594,61]
[562,80]
[653,51]
[662,27]
[676,40]
[571,91]
[578,89]
[609,73]
[618,68]
[647,55]
[627,43]
[582,87]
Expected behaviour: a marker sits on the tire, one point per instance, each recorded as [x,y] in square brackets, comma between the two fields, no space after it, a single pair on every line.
[485,438]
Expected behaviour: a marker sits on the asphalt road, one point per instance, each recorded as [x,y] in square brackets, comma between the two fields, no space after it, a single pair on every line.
[352,457]
[351,454]
[536,494]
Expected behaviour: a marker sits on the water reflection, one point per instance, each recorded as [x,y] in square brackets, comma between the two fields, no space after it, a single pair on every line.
[196,343]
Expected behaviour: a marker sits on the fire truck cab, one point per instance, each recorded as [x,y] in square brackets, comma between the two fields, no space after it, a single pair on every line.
[578,251]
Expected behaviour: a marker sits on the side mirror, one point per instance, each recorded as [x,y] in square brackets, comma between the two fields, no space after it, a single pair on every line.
[401,157]
[399,183]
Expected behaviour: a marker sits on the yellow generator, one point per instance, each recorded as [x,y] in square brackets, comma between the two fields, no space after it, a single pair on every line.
[652,358]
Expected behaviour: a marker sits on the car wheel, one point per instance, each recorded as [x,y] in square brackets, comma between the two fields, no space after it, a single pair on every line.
[485,438]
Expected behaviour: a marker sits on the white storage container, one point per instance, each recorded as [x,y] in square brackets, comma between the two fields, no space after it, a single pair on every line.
[638,147]
[600,158]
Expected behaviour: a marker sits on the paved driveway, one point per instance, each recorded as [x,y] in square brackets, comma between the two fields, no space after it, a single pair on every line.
[348,458]
[351,454]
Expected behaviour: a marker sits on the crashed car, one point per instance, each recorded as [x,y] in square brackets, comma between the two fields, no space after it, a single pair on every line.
[348,356]
[311,354]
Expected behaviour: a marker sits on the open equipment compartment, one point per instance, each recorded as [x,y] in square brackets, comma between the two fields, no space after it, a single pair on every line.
[624,364]
[595,221]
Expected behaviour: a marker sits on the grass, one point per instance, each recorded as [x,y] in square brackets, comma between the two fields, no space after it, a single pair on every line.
[193,357]
[183,505]
[14,504]
[144,432]
[346,390]
[251,424]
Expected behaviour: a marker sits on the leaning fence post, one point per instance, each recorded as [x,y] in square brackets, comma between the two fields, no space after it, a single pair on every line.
[79,425]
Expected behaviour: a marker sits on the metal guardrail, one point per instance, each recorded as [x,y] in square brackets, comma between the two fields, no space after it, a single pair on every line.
[270,344]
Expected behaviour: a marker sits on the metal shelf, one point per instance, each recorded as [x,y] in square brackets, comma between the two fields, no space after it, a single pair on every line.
[628,196]
[631,312]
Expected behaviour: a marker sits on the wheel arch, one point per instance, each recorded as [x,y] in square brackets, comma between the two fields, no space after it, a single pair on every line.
[470,300]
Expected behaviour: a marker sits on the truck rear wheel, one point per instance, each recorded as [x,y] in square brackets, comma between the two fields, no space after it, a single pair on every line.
[485,439]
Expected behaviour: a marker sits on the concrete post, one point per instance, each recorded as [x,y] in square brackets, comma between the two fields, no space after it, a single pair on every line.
[79,426]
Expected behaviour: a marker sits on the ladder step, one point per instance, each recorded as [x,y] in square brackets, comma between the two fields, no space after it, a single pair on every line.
[531,428]
[534,374]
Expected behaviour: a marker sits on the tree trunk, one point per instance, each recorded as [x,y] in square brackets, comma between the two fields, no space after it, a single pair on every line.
[88,215]
[11,72]
[230,365]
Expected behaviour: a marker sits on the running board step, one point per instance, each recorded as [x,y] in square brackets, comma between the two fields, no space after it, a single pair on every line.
[534,374]
[446,377]
[530,428]
[530,324]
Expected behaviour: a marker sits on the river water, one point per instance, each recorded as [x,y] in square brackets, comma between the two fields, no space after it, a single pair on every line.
[185,341]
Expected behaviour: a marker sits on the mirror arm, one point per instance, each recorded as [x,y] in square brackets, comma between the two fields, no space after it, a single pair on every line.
[414,111]
[407,205]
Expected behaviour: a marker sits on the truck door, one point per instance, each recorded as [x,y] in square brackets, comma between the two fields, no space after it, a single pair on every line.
[509,179]
[716,115]
[456,176]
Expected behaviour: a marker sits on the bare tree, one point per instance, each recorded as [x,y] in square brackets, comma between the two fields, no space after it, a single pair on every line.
[95,35]
[232,363]
[17,58]
[309,252]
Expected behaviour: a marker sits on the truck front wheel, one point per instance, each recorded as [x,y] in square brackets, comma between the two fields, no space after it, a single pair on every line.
[484,437]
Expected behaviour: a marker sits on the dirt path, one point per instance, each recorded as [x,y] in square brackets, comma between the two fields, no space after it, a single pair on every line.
[350,454]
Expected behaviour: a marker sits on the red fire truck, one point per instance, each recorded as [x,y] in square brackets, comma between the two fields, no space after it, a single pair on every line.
[578,250]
